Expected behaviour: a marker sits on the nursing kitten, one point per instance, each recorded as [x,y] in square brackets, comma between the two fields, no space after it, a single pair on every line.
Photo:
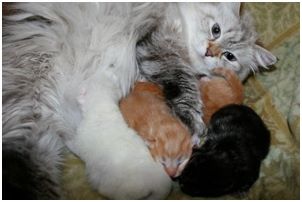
[223,87]
[168,139]
[229,161]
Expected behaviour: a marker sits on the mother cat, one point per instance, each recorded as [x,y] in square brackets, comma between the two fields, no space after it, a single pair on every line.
[53,50]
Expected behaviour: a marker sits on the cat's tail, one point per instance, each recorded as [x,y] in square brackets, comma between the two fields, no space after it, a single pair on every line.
[233,81]
[29,171]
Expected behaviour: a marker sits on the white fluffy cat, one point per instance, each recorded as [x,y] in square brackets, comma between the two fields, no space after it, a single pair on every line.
[53,50]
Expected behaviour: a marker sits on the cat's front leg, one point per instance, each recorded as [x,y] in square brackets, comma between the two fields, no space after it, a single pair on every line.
[163,59]
[118,163]
[182,94]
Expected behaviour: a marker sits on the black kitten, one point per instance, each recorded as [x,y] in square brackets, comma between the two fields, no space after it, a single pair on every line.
[229,161]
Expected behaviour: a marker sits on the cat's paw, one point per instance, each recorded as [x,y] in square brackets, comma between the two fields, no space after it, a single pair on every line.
[198,126]
[192,118]
[198,131]
[195,140]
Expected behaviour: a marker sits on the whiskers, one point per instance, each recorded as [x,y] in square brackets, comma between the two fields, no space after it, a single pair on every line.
[254,68]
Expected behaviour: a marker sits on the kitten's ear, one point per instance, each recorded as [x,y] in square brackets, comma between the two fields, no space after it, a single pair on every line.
[234,6]
[263,57]
[150,142]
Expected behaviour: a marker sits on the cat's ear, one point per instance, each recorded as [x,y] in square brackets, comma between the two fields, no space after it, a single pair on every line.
[263,57]
[234,6]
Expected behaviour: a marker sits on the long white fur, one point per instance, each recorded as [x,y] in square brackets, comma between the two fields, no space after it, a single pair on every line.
[92,45]
[88,40]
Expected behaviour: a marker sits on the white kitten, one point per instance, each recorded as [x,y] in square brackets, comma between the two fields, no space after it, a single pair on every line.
[121,167]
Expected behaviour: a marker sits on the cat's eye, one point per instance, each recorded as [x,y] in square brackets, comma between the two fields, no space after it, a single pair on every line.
[229,56]
[179,160]
[163,159]
[216,31]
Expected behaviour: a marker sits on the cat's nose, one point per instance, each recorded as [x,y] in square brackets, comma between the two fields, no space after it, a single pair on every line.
[171,171]
[213,50]
[209,53]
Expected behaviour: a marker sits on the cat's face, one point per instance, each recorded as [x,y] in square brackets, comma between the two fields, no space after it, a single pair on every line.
[171,147]
[218,36]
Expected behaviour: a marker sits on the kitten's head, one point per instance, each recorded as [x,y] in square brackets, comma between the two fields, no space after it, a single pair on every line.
[223,87]
[172,146]
[218,35]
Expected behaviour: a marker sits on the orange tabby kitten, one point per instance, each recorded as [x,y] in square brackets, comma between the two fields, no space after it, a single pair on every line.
[168,139]
[222,89]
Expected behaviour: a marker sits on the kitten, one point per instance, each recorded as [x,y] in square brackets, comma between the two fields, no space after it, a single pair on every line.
[168,139]
[223,87]
[230,159]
